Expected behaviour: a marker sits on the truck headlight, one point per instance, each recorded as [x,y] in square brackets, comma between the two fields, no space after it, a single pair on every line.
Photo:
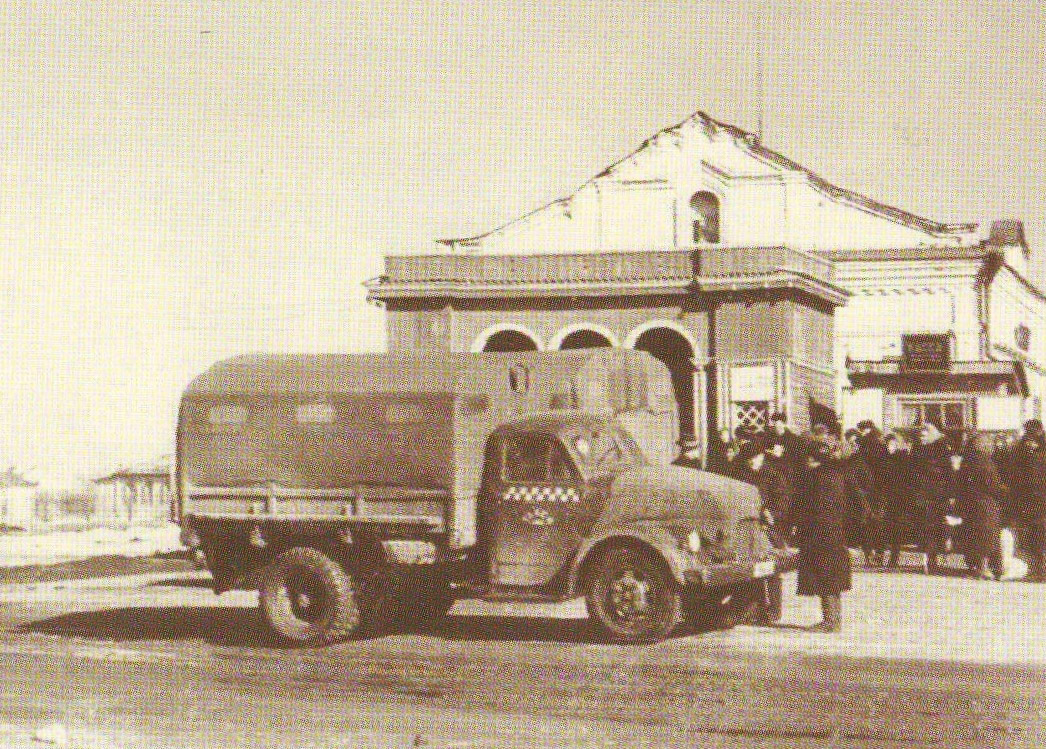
[693,541]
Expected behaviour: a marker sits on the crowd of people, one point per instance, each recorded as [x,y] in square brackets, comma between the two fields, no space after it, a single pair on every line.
[828,492]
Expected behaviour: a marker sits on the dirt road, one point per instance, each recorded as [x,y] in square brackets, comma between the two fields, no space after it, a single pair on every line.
[160,661]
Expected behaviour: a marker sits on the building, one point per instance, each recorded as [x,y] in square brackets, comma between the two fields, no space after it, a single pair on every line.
[762,286]
[17,498]
[139,494]
[951,332]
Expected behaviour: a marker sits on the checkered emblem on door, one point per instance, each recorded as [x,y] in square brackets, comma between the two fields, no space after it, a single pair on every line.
[535,494]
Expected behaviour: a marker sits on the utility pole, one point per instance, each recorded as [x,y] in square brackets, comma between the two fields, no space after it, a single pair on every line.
[759,62]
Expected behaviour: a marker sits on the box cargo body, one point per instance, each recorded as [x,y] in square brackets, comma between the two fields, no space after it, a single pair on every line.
[386,439]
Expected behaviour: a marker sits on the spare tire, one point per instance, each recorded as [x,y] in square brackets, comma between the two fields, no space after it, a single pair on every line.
[308,599]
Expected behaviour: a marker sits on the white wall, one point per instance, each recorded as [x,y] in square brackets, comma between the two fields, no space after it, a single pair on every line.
[1011,304]
[891,299]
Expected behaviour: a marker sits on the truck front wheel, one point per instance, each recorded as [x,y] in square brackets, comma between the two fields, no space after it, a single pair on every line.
[307,598]
[633,597]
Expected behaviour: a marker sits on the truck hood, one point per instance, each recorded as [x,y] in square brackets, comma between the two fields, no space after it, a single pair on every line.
[680,496]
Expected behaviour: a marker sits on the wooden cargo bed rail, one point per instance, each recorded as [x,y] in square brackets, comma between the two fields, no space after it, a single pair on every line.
[370,504]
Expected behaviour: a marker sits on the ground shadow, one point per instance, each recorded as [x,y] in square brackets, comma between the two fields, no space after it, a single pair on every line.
[511,629]
[242,626]
[535,629]
[218,625]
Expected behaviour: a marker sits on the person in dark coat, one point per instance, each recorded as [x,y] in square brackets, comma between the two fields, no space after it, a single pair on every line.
[1003,455]
[794,448]
[824,561]
[719,446]
[980,491]
[775,452]
[775,491]
[895,487]
[933,468]
[857,477]
[1030,496]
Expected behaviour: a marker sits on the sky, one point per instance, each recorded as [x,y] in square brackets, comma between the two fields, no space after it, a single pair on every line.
[181,182]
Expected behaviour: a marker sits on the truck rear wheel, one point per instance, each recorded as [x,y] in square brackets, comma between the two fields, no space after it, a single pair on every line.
[633,597]
[307,598]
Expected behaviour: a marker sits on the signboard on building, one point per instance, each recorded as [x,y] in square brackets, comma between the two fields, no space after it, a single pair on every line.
[926,351]
[752,383]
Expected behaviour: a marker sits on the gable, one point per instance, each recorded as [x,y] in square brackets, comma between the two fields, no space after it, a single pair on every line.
[647,201]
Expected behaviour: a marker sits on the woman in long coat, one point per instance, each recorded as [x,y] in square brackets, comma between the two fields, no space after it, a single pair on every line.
[981,493]
[895,488]
[821,518]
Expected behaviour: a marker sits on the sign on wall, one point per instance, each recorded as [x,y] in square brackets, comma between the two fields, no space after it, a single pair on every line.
[752,383]
[926,351]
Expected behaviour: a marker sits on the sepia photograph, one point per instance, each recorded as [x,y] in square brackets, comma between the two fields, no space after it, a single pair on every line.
[509,374]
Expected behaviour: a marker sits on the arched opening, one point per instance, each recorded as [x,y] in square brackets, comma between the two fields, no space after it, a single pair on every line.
[584,338]
[510,340]
[705,207]
[675,351]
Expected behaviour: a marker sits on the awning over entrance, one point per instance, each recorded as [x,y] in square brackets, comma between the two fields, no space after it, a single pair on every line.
[957,376]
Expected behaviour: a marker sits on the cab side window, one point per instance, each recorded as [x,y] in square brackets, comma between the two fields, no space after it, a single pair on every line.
[535,459]
[560,470]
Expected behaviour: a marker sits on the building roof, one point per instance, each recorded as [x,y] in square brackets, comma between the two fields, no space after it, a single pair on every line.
[13,477]
[752,145]
[158,468]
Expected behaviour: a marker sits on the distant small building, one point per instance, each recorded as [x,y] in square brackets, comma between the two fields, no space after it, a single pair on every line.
[17,498]
[139,494]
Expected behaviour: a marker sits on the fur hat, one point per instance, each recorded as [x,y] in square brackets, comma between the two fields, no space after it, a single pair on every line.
[819,450]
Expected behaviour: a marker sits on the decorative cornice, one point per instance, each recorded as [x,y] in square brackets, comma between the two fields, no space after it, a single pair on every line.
[902,254]
[382,290]
[831,293]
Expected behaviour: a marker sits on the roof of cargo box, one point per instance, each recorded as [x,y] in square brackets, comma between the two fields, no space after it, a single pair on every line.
[368,373]
[325,373]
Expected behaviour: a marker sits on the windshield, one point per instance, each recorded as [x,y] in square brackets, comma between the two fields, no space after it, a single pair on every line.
[600,451]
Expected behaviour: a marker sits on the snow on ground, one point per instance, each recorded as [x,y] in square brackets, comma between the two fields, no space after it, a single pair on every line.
[21,549]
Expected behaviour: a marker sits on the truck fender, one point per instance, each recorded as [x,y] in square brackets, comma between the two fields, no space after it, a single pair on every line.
[653,536]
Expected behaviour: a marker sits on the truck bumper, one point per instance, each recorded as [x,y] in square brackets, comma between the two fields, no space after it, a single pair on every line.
[777,562]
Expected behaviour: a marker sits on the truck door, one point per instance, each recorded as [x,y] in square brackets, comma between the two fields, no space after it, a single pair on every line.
[541,510]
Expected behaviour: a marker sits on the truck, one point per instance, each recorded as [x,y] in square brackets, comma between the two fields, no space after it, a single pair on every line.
[362,491]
